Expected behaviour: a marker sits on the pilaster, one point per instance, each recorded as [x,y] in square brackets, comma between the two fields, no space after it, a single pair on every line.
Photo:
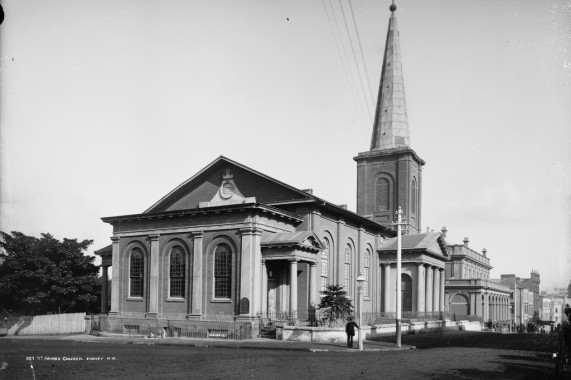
[197,270]
[116,273]
[154,275]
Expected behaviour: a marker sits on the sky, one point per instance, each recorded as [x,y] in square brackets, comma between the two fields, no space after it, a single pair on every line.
[107,106]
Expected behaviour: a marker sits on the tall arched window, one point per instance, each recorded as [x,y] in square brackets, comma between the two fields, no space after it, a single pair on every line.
[414,196]
[176,272]
[406,292]
[347,273]
[324,264]
[366,272]
[382,201]
[223,271]
[136,272]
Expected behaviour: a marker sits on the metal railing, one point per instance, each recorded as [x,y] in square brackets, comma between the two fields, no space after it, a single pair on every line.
[176,328]
[297,318]
[387,317]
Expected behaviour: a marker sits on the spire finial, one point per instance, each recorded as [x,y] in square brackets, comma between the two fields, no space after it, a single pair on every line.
[393,7]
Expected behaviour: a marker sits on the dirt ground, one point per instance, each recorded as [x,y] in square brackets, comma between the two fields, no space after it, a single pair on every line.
[438,356]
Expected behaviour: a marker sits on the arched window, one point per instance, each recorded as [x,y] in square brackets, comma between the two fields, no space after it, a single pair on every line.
[223,271]
[324,264]
[366,272]
[406,292]
[459,305]
[176,265]
[382,201]
[136,272]
[347,273]
[414,196]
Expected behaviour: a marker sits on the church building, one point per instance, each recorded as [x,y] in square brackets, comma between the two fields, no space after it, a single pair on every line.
[231,241]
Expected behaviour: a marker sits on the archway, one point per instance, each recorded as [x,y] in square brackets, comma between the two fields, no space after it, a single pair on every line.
[459,305]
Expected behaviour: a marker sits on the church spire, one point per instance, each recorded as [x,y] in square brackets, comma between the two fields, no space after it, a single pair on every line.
[390,129]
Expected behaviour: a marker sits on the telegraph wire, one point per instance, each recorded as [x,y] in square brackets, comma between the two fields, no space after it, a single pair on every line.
[355,60]
[338,38]
[362,53]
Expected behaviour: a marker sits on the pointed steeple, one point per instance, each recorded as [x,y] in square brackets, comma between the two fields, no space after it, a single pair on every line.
[390,129]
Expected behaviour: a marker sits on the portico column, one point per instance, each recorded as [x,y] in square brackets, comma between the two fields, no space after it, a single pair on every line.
[435,289]
[312,285]
[196,301]
[264,288]
[104,280]
[486,307]
[117,278]
[442,288]
[478,306]
[154,275]
[293,288]
[387,287]
[420,291]
[429,285]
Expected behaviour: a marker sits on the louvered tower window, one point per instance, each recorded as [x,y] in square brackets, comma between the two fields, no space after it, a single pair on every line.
[414,196]
[382,201]
[347,273]
[177,272]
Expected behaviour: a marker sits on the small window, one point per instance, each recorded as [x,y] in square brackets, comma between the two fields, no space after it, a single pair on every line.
[223,271]
[366,273]
[324,264]
[176,272]
[347,274]
[136,271]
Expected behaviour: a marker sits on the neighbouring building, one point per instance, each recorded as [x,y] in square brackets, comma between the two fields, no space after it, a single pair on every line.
[469,292]
[522,299]
[236,243]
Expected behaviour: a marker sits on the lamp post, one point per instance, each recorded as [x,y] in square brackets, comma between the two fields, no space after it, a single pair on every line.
[360,281]
[400,222]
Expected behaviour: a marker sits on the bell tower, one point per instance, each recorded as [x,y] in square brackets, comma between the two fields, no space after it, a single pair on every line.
[389,175]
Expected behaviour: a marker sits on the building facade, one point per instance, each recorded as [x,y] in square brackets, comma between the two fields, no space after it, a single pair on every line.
[470,293]
[233,242]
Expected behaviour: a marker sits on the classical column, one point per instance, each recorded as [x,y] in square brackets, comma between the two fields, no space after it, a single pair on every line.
[264,288]
[442,288]
[478,309]
[116,272]
[250,268]
[429,285]
[154,275]
[387,287]
[435,289]
[196,301]
[312,285]
[293,288]
[104,280]
[420,292]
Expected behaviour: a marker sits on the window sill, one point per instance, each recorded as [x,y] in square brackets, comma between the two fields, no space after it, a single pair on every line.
[135,299]
[175,300]
[221,300]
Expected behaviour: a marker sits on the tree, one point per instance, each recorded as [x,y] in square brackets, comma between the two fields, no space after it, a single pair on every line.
[46,275]
[335,304]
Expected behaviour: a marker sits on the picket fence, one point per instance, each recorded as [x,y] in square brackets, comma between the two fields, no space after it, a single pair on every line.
[44,324]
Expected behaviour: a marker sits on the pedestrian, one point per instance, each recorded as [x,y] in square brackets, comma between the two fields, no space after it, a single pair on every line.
[350,330]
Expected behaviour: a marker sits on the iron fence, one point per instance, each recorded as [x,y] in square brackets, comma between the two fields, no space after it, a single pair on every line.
[387,317]
[176,328]
[297,318]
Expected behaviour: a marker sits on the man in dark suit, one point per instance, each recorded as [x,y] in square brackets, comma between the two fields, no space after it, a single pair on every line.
[350,330]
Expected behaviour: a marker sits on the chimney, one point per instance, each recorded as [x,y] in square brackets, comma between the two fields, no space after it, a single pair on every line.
[466,241]
[444,231]
[308,191]
[484,251]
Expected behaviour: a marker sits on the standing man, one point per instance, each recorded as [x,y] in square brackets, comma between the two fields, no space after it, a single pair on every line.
[350,330]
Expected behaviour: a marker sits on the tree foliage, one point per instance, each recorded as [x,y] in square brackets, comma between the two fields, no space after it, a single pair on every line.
[335,306]
[47,275]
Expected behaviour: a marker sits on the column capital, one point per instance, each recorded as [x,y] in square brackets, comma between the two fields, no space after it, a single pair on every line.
[293,261]
[114,239]
[420,264]
[311,264]
[441,269]
[250,231]
[197,234]
[153,237]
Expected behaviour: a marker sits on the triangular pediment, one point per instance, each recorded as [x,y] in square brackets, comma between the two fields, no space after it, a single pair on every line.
[226,182]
